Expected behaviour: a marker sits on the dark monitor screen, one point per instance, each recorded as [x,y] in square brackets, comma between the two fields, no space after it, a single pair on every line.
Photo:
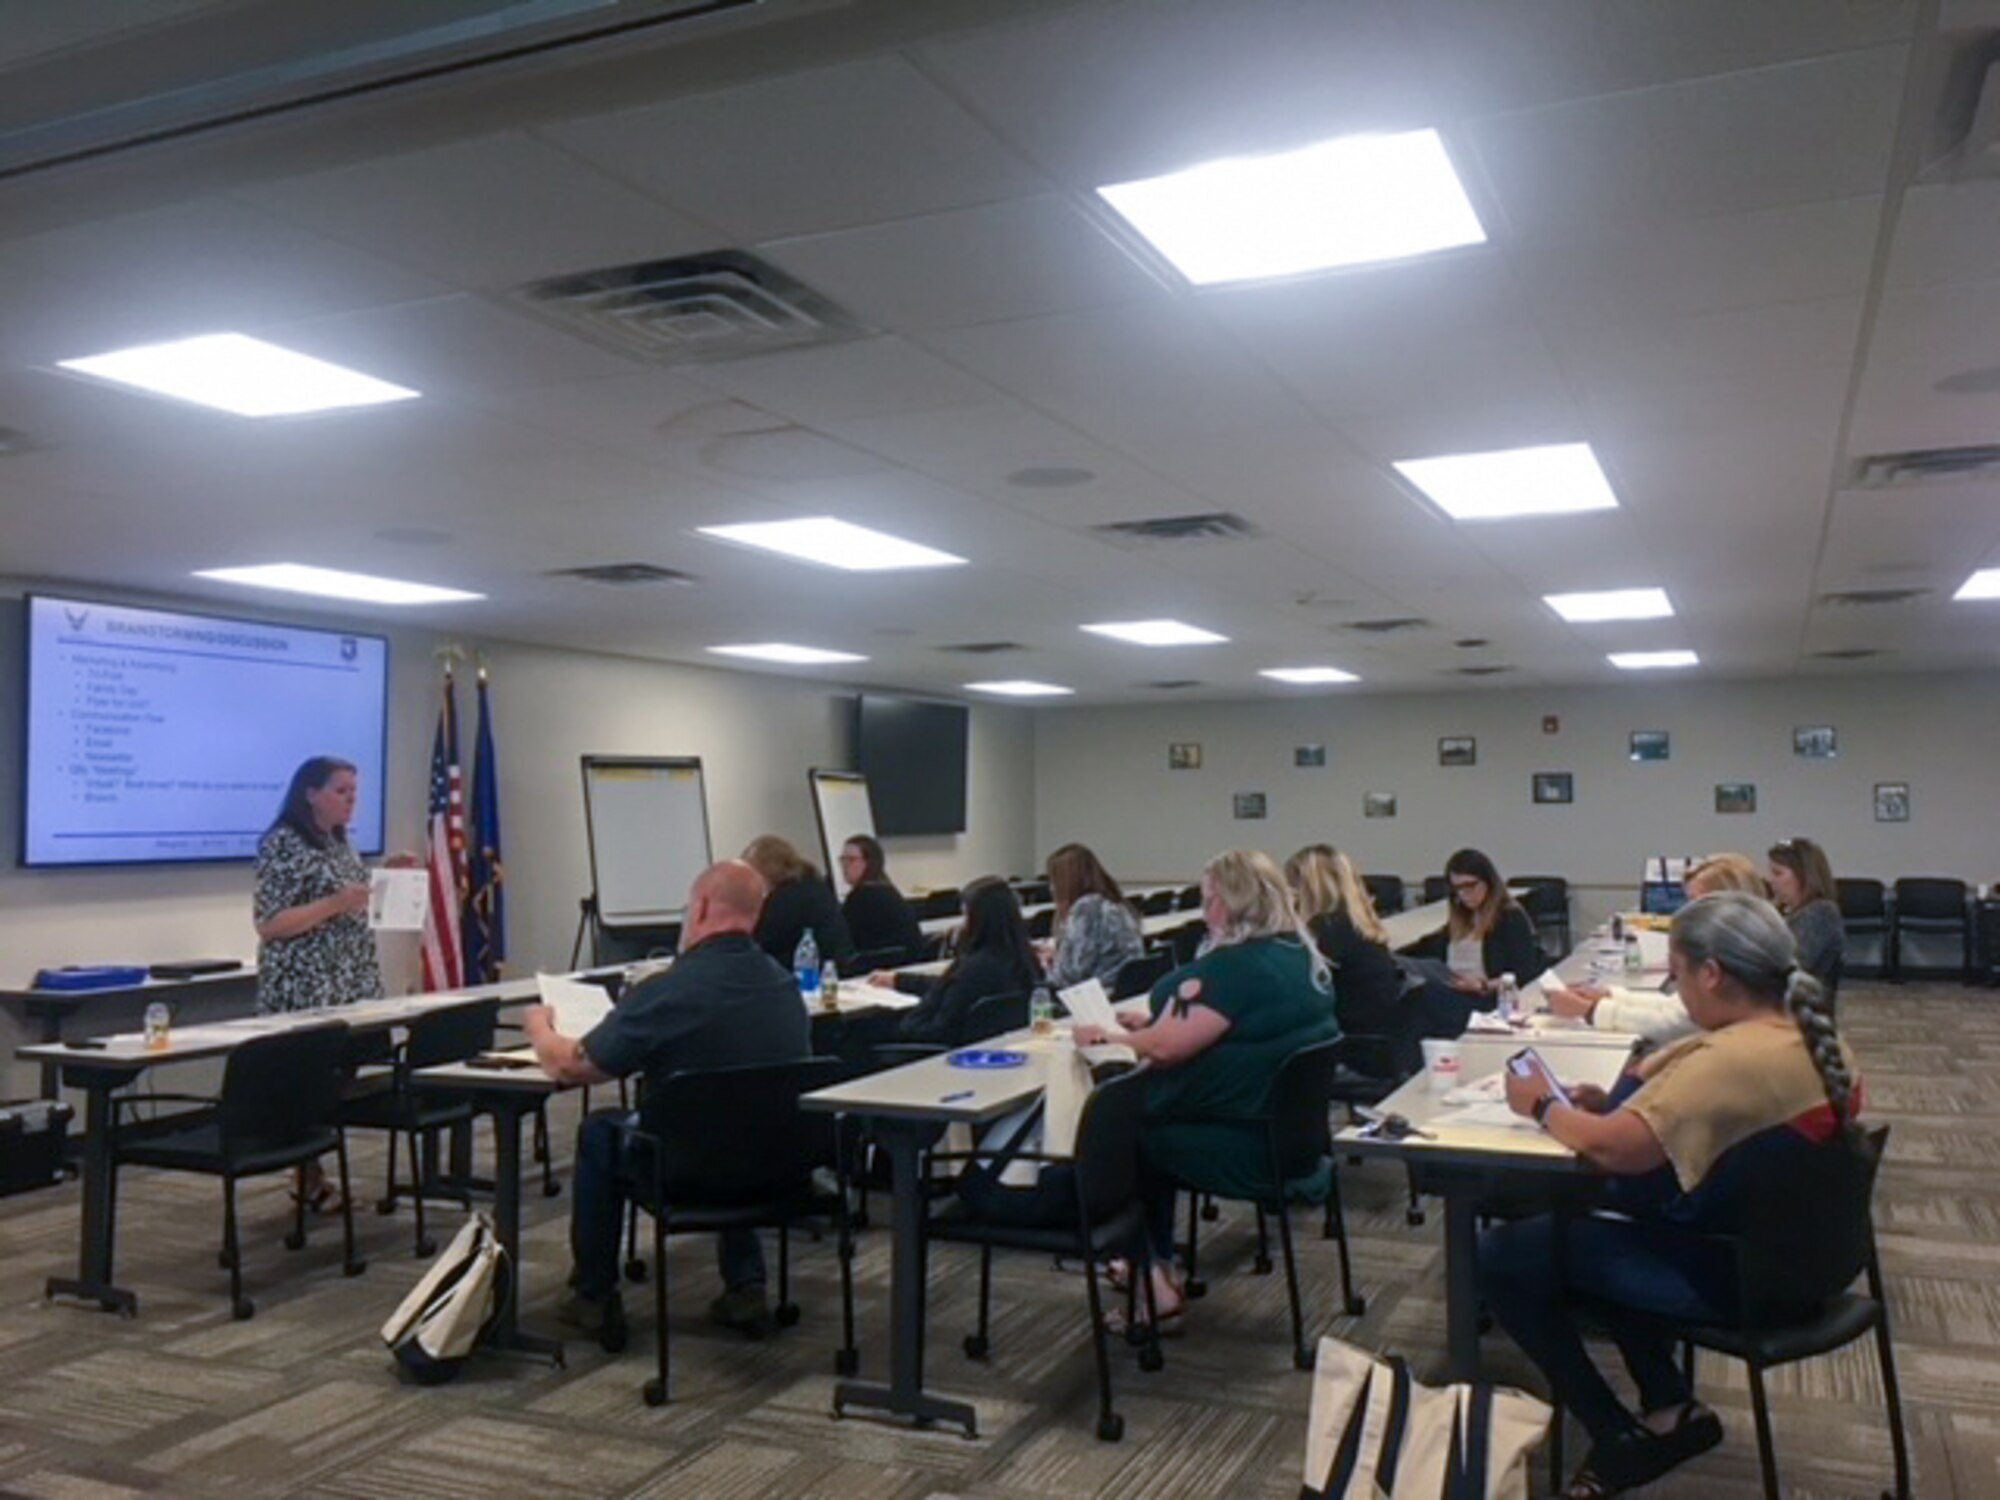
[913,754]
[1662,898]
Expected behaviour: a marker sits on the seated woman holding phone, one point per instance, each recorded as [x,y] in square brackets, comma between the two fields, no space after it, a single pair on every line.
[1688,1137]
[1487,935]
[1653,1017]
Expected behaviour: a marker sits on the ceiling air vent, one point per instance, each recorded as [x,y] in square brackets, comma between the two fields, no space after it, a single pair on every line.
[1216,526]
[1388,626]
[1172,684]
[1477,671]
[723,304]
[983,648]
[624,574]
[1884,471]
[1850,653]
[1865,598]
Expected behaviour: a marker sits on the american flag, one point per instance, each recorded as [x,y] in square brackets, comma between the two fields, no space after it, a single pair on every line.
[444,854]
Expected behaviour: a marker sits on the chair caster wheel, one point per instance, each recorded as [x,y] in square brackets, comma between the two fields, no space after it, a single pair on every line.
[1356,1306]
[858,1219]
[1303,1358]
[786,1314]
[1413,1217]
[1261,1265]
[635,1269]
[846,1362]
[242,1309]
[1110,1429]
[1210,1212]
[975,1346]
[1196,1288]
[224,1259]
[655,1393]
[295,1239]
[354,1268]
[385,1206]
[1151,1360]
[551,1189]
[424,1249]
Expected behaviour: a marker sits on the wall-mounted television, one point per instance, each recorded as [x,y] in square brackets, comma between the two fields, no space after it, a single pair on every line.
[913,754]
[155,736]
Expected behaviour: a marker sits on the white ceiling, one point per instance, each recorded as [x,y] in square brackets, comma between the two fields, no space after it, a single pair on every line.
[1718,252]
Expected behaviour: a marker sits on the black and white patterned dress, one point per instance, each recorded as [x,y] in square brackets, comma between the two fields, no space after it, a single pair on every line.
[331,964]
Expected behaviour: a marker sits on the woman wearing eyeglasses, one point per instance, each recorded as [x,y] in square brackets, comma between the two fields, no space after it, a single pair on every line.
[1487,935]
[1803,889]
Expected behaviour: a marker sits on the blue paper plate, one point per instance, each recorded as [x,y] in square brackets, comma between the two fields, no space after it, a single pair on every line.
[974,1057]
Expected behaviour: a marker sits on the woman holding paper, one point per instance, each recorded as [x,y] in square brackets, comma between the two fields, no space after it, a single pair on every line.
[314,946]
[995,957]
[1221,1028]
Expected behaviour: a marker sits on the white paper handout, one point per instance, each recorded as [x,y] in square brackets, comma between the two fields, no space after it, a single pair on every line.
[1090,1006]
[578,1006]
[398,899]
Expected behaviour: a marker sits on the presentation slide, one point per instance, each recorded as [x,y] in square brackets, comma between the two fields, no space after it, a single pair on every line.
[155,736]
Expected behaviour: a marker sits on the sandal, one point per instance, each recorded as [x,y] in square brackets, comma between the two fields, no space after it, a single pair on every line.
[1696,1429]
[1172,1321]
[327,1200]
[1637,1458]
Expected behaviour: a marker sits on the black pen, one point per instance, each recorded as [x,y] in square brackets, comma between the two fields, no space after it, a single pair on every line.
[954,1098]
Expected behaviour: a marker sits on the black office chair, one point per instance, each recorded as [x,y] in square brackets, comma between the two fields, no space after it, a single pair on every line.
[1930,907]
[1296,1141]
[442,1036]
[692,1178]
[1546,900]
[1157,903]
[1436,888]
[1137,976]
[1372,1067]
[1804,1243]
[1186,941]
[278,1109]
[1109,1222]
[1864,915]
[1190,898]
[936,904]
[868,960]
[1386,891]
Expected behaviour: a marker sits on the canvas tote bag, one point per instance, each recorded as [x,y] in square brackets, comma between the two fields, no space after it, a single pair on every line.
[1376,1434]
[449,1312]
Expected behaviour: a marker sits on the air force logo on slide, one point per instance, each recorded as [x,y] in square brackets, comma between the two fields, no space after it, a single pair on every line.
[349,648]
[77,618]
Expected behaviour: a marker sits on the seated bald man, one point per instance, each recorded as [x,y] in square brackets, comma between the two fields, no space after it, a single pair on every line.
[724,1003]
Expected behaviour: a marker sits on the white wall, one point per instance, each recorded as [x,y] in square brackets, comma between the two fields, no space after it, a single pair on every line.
[1101,776]
[756,736]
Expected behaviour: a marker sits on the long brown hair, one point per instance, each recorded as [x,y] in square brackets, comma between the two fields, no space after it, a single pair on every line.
[1808,862]
[1470,864]
[1074,872]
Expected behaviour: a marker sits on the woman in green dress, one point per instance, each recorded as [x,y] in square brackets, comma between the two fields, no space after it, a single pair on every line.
[1221,1027]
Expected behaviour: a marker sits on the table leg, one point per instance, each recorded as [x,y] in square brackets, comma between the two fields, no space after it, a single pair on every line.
[508,1112]
[904,1395]
[92,1282]
[1461,1289]
[51,1018]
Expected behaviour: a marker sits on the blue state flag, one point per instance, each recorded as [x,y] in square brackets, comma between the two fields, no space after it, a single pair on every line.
[486,900]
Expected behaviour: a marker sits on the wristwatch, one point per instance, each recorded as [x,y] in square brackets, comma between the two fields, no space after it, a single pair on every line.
[1542,1107]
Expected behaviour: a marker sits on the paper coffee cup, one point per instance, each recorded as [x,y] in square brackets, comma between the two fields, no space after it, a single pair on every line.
[1442,1064]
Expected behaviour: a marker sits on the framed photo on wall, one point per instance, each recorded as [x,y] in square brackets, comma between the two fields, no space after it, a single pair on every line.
[1554,786]
[1735,797]
[1458,750]
[1184,757]
[1649,745]
[1892,802]
[1378,804]
[1815,742]
[1309,755]
[1248,804]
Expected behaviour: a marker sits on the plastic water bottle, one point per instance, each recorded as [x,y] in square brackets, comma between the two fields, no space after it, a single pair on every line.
[805,964]
[1634,959]
[1507,1004]
[1042,1010]
[829,984]
[158,1021]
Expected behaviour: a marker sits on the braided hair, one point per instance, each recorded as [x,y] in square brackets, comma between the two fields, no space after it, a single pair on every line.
[1751,943]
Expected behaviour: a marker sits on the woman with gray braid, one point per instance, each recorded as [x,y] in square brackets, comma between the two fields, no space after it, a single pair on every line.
[1689,1136]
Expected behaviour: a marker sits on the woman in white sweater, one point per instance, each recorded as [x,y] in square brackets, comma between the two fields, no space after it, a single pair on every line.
[1647,1014]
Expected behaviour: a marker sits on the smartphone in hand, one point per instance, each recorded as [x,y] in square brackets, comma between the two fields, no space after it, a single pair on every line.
[1528,1062]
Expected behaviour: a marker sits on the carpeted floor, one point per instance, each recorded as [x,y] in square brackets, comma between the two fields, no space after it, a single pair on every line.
[302,1399]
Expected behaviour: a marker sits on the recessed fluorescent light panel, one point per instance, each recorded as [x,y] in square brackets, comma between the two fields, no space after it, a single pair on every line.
[796,656]
[1307,675]
[1611,604]
[1985,584]
[1343,202]
[329,583]
[835,544]
[236,373]
[1552,480]
[1652,661]
[1020,688]
[1156,633]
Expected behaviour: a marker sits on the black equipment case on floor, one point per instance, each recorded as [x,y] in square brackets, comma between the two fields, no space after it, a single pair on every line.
[33,1136]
